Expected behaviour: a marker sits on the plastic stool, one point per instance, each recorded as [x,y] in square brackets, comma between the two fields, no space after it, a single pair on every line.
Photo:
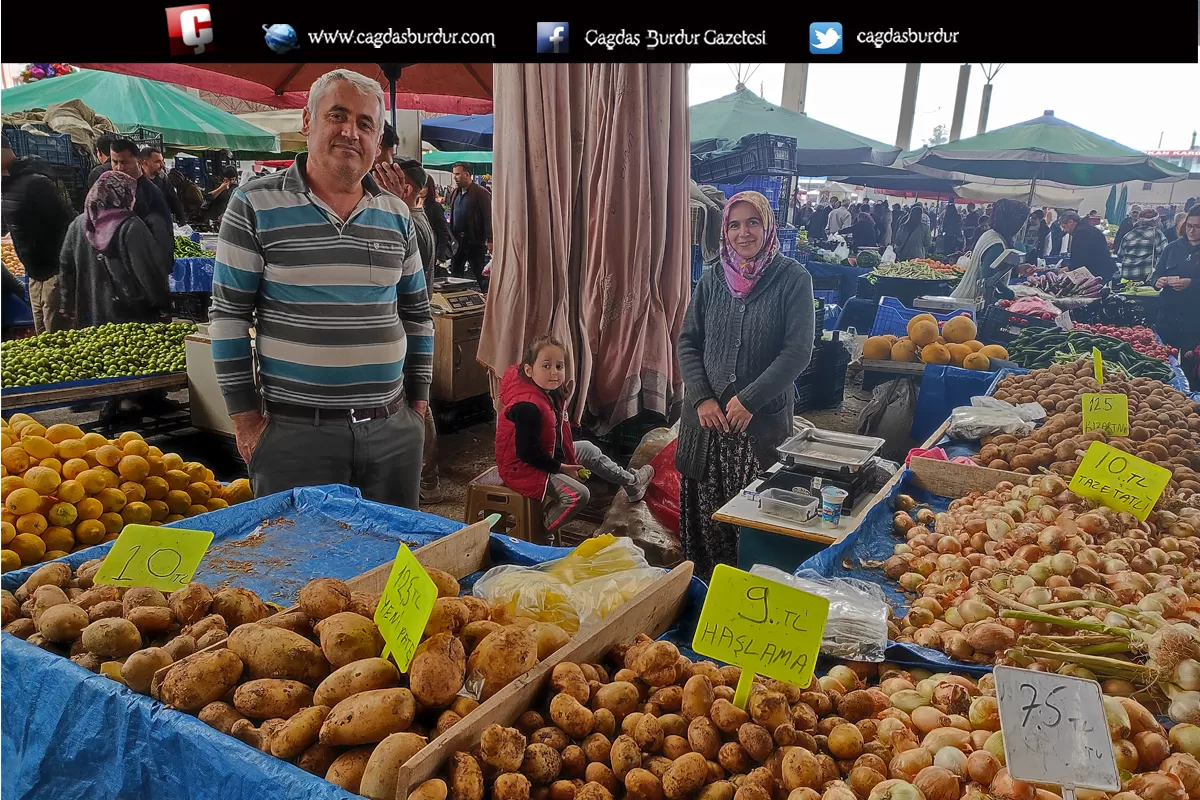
[520,517]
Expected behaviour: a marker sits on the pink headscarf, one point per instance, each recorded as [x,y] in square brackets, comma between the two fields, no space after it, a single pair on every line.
[108,204]
[742,274]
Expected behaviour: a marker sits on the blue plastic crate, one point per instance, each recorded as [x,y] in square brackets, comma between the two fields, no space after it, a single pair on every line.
[828,296]
[801,256]
[54,148]
[787,241]
[893,317]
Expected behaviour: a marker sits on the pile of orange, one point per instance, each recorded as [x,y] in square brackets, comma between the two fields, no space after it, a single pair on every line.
[64,489]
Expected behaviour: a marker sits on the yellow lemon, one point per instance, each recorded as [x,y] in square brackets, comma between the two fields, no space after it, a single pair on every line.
[42,480]
[62,515]
[195,510]
[29,547]
[136,447]
[109,455]
[9,560]
[111,479]
[173,518]
[134,492]
[200,493]
[112,522]
[94,440]
[196,472]
[38,447]
[177,479]
[51,463]
[237,492]
[10,484]
[178,501]
[136,514]
[23,501]
[157,468]
[89,509]
[33,429]
[91,480]
[112,499]
[89,532]
[158,510]
[134,468]
[71,491]
[7,532]
[58,539]
[61,432]
[72,468]
[33,523]
[129,436]
[90,458]
[155,453]
[71,448]
[215,504]
[156,487]
[172,460]
[53,554]
[15,459]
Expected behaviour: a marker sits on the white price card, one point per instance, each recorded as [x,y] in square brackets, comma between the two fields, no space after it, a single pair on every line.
[1055,730]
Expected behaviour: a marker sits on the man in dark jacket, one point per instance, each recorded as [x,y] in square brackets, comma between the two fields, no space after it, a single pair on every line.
[37,216]
[151,206]
[470,223]
[1089,248]
[818,221]
[1177,277]
[103,143]
[1125,227]
[155,168]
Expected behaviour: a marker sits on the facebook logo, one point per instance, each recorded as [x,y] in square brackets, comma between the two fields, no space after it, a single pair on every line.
[553,37]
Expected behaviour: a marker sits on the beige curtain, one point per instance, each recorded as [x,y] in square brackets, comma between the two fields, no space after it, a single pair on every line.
[591,224]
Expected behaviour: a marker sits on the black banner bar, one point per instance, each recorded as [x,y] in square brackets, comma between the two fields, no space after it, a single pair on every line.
[383,32]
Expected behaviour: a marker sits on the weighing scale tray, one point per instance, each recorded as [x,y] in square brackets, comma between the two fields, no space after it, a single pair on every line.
[829,450]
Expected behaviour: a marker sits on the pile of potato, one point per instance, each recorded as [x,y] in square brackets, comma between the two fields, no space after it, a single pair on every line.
[309,685]
[1164,424]
[126,634]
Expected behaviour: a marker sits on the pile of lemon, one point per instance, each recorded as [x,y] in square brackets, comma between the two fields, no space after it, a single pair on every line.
[64,489]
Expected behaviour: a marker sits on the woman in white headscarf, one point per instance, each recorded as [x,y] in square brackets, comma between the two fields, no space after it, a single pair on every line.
[990,256]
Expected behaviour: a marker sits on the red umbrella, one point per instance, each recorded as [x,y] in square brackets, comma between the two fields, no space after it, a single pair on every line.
[438,88]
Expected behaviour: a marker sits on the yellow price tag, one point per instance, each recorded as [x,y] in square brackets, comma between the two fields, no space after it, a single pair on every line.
[762,626]
[1106,412]
[1098,364]
[404,607]
[161,558]
[1118,480]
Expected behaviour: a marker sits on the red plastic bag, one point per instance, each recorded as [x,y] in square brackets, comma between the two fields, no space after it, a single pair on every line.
[663,494]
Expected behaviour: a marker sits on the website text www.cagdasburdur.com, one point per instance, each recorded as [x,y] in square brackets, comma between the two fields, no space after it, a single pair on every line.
[906,36]
[408,36]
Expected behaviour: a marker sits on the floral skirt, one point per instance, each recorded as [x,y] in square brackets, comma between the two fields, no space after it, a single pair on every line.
[731,466]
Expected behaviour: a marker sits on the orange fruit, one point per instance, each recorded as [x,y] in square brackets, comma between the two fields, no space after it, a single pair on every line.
[158,510]
[94,440]
[134,492]
[71,448]
[215,504]
[73,467]
[112,522]
[90,531]
[29,547]
[172,460]
[112,499]
[10,484]
[134,468]
[178,479]
[200,493]
[109,455]
[136,514]
[91,480]
[178,501]
[71,491]
[89,509]
[58,539]
[15,459]
[129,436]
[33,523]
[42,480]
[23,501]
[61,432]
[136,447]
[9,560]
[156,487]
[7,532]
[38,447]
[173,518]
[62,515]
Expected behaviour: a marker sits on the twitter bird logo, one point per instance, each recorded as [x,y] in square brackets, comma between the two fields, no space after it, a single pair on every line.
[825,38]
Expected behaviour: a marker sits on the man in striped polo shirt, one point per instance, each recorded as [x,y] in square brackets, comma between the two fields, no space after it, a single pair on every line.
[325,266]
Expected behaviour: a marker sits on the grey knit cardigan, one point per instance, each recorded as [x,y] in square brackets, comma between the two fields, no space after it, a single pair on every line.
[753,348]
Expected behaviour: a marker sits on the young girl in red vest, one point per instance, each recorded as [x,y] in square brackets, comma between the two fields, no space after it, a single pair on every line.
[535,454]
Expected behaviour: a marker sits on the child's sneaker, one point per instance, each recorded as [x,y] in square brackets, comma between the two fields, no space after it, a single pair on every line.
[641,483]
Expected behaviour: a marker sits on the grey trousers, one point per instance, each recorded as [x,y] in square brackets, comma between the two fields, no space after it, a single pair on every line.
[590,456]
[381,458]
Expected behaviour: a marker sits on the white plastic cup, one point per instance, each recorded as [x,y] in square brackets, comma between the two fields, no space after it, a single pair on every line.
[832,498]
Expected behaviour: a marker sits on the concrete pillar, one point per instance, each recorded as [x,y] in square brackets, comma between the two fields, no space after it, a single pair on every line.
[795,86]
[908,105]
[960,102]
[985,104]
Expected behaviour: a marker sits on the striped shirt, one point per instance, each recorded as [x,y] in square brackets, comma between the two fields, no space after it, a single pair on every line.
[340,310]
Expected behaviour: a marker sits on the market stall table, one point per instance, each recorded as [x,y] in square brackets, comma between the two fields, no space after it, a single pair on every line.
[54,395]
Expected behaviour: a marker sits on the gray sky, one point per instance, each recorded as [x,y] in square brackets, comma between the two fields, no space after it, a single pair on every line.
[1131,103]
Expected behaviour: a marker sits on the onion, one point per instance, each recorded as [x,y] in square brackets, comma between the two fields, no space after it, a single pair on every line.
[1140,718]
[1126,754]
[995,746]
[955,618]
[1005,788]
[895,790]
[1187,675]
[1185,738]
[1152,749]
[906,765]
[950,758]
[974,610]
[1021,583]
[1186,768]
[908,700]
[839,791]
[1040,572]
[890,686]
[950,698]
[845,741]
[1185,706]
[982,767]
[847,677]
[928,718]
[991,637]
[903,741]
[1117,718]
[946,737]
[886,727]
[979,739]
[863,780]
[1157,786]
[985,713]
[937,783]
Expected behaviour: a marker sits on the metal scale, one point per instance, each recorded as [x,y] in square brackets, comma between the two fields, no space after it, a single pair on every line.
[457,326]
[816,458]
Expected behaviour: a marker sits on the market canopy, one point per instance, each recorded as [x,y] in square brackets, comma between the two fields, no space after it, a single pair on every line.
[821,149]
[458,132]
[1045,148]
[442,158]
[183,120]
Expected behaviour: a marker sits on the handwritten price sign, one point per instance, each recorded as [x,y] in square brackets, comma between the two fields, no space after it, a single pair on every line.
[762,626]
[1118,480]
[1106,412]
[161,558]
[404,607]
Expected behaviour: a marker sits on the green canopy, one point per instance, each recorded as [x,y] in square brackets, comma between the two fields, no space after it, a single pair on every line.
[440,158]
[1043,149]
[183,120]
[820,149]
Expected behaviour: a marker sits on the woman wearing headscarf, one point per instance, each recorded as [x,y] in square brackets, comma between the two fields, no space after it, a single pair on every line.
[747,336]
[883,223]
[913,239]
[108,267]
[898,218]
[990,258]
[864,231]
[951,235]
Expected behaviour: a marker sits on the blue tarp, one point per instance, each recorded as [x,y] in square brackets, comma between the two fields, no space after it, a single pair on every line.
[459,131]
[192,275]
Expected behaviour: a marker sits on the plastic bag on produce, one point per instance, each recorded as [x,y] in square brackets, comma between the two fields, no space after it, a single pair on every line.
[888,257]
[1028,411]
[889,415]
[652,444]
[964,262]
[842,251]
[990,417]
[856,628]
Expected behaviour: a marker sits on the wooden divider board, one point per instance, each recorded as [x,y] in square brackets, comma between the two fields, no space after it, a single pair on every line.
[948,479]
[651,611]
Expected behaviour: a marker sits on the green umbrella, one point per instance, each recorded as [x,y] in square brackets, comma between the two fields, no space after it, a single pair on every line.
[1045,148]
[183,120]
[820,149]
[1121,201]
[1110,205]
[442,158]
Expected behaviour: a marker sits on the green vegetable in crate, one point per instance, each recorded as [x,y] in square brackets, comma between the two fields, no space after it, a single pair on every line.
[106,351]
[1040,347]
[186,248]
[867,259]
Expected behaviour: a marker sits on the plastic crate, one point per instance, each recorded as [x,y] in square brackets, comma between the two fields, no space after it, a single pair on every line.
[893,317]
[826,283]
[144,137]
[819,312]
[787,240]
[801,257]
[759,154]
[53,148]
[906,290]
[833,389]
[1001,326]
[826,296]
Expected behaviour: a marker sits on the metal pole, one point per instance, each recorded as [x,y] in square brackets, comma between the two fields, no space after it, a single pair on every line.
[960,102]
[908,105]
[985,103]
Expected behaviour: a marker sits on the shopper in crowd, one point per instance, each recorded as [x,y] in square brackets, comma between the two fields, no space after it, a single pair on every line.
[326,267]
[804,212]
[387,145]
[747,336]
[913,240]
[36,215]
[839,218]
[980,229]
[1034,236]
[1089,248]
[1125,227]
[883,223]
[1170,227]
[1055,242]
[993,255]
[1093,218]
[109,268]
[819,220]
[103,143]
[1188,204]
[898,218]
[950,239]
[151,206]
[970,222]
[1177,277]
[216,201]
[470,224]
[863,230]
[155,168]
[436,214]
[1178,226]
[1142,248]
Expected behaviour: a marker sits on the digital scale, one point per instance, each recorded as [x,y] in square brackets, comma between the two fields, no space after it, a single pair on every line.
[816,458]
[944,305]
[455,302]
[457,326]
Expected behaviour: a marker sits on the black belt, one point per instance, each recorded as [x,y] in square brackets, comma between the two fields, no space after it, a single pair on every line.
[312,414]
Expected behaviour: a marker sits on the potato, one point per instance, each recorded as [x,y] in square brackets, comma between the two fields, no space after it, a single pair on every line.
[542,764]
[574,762]
[551,737]
[195,682]
[675,746]
[466,777]
[138,670]
[21,628]
[355,677]
[673,725]
[445,721]
[89,661]
[317,759]
[619,697]
[221,715]
[511,786]
[500,658]
[562,790]
[46,575]
[529,722]
[210,623]
[593,790]
[568,677]
[180,647]
[299,733]
[191,603]
[656,664]
[447,584]
[62,623]
[625,756]
[475,632]
[596,747]
[87,571]
[115,638]
[260,737]
[432,789]
[238,606]
[383,767]
[151,620]
[271,698]
[734,758]
[449,615]
[717,790]
[214,636]
[369,717]
[704,737]
[324,597]
[686,775]
[45,597]
[348,637]
[437,670]
[728,717]
[143,596]
[640,784]
[96,595]
[648,734]
[364,603]
[668,698]
[464,705]
[502,748]
[597,773]
[756,740]
[270,652]
[573,717]
[478,608]
[549,638]
[771,709]
[698,698]
[347,769]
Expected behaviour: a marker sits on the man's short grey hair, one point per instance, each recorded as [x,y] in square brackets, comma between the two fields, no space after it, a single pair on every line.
[1070,216]
[359,81]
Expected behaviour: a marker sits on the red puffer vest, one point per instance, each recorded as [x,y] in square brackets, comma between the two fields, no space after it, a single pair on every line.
[516,474]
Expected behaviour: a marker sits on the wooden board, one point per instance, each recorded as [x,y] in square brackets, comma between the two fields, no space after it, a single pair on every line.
[652,612]
[16,401]
[948,479]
